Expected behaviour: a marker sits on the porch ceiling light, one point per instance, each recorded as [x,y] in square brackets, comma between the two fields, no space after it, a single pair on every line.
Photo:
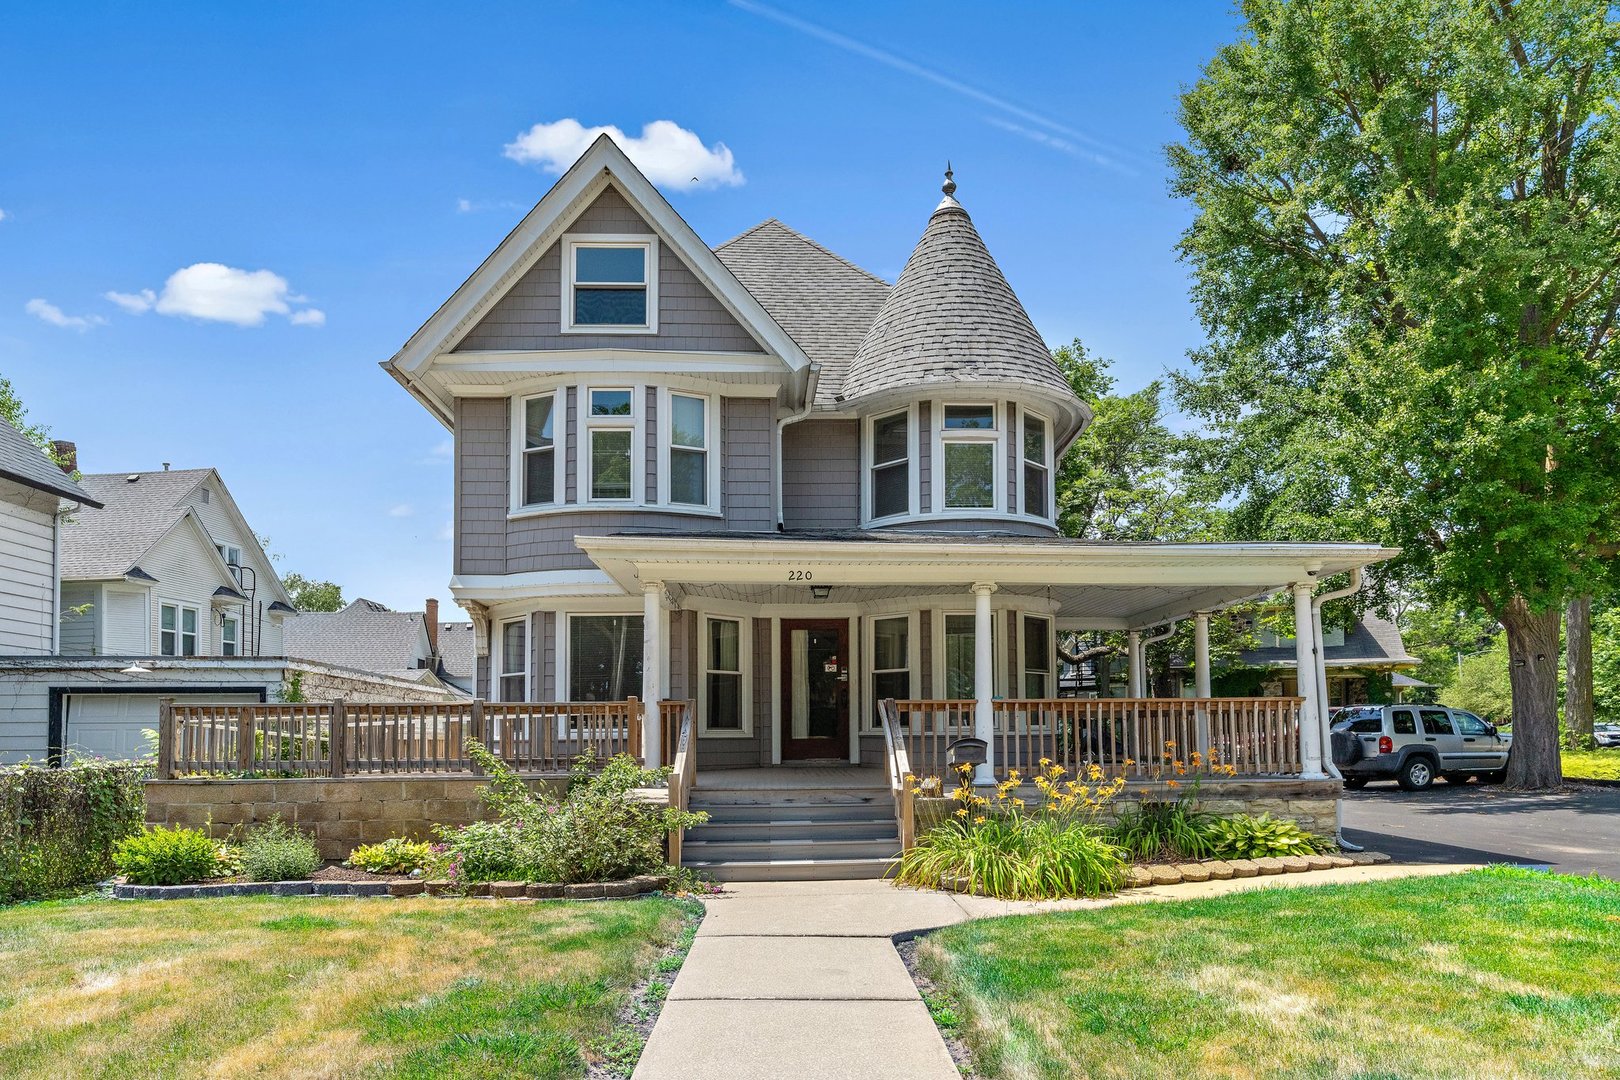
[821,592]
[135,669]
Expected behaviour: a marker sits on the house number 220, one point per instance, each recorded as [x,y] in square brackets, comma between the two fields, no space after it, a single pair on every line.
[799,575]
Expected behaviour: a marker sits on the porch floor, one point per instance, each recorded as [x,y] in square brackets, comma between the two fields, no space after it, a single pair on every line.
[791,778]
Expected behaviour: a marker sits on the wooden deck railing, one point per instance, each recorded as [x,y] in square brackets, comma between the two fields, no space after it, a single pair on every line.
[897,762]
[372,738]
[682,717]
[1258,736]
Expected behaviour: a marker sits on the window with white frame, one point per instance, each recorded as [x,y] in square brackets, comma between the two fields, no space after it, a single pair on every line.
[688,442]
[539,454]
[177,630]
[1037,474]
[604,657]
[890,457]
[1037,633]
[959,658]
[229,635]
[891,660]
[970,441]
[724,711]
[513,676]
[610,284]
[610,441]
[230,553]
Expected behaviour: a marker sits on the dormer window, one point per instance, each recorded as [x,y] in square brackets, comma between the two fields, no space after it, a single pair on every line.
[610,284]
[969,439]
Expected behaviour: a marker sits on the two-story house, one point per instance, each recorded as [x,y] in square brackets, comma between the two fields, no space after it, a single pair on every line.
[35,496]
[759,477]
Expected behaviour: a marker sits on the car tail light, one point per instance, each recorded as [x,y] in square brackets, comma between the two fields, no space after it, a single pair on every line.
[1386,745]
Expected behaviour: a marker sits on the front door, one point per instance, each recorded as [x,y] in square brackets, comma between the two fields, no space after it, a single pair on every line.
[815,688]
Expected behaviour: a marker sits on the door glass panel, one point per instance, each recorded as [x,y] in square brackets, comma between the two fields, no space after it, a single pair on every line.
[818,683]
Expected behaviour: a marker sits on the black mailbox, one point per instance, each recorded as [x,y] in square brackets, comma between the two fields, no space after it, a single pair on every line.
[967,752]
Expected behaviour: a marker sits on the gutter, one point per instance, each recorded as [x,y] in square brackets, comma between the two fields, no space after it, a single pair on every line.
[811,382]
[1320,677]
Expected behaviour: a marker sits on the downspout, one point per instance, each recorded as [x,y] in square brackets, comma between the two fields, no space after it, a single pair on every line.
[1141,651]
[811,382]
[1320,675]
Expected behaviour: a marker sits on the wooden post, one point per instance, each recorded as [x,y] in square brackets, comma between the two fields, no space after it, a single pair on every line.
[244,738]
[476,723]
[337,739]
[165,750]
[633,719]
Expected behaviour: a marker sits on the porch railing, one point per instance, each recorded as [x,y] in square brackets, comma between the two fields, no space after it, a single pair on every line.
[1258,736]
[682,717]
[897,761]
[375,738]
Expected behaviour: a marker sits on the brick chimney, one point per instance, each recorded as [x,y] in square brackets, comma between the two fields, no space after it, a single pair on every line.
[431,614]
[67,455]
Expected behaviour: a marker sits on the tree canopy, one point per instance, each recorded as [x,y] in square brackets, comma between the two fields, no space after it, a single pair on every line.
[308,594]
[1406,256]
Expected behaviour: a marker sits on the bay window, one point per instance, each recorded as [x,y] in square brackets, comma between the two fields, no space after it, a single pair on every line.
[959,657]
[1037,473]
[604,657]
[724,656]
[610,284]
[539,456]
[969,440]
[890,469]
[688,444]
[610,430]
[512,678]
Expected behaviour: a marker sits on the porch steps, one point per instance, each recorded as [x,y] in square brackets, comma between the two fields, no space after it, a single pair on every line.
[802,834]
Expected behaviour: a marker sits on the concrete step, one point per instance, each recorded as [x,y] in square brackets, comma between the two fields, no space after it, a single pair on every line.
[727,829]
[795,813]
[730,851]
[794,869]
[702,797]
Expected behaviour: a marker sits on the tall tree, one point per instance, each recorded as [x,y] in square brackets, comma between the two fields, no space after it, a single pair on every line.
[308,594]
[13,412]
[1405,257]
[1578,703]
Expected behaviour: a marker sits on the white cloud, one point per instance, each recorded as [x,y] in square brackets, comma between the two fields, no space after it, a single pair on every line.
[45,311]
[669,154]
[478,206]
[443,450]
[308,317]
[447,531]
[464,206]
[135,303]
[2,215]
[402,510]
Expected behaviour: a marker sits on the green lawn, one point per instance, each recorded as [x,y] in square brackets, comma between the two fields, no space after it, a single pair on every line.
[319,987]
[1591,764]
[1499,972]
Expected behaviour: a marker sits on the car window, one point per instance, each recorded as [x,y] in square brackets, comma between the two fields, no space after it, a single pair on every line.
[1469,724]
[1405,722]
[1436,722]
[1368,725]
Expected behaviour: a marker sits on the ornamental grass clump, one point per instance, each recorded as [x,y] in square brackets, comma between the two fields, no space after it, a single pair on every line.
[1002,847]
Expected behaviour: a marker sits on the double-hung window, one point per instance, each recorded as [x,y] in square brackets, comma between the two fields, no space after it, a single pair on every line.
[610,284]
[969,443]
[689,450]
[1037,475]
[610,438]
[891,660]
[539,455]
[724,710]
[604,657]
[959,657]
[177,630]
[229,636]
[890,476]
[1037,657]
[513,675]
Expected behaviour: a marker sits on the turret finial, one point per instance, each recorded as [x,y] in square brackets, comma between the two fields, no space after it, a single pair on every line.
[949,186]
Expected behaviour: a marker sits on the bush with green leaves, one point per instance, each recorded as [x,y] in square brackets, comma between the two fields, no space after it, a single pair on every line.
[396,855]
[58,827]
[168,856]
[1015,856]
[1244,836]
[277,851]
[1172,831]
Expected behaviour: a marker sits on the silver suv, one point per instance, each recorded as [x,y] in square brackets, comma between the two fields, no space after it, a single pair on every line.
[1413,744]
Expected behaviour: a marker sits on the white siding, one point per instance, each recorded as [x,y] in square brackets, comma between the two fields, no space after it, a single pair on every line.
[186,574]
[257,626]
[78,636]
[27,572]
[126,622]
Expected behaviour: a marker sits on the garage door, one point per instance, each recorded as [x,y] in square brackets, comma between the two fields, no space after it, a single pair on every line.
[110,725]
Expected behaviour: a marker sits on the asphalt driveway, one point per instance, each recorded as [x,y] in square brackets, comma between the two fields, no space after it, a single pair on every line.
[1575,831]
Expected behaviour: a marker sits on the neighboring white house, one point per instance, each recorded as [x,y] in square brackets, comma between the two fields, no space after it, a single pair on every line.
[34,497]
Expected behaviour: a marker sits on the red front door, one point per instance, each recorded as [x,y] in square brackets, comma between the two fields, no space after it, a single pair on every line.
[815,688]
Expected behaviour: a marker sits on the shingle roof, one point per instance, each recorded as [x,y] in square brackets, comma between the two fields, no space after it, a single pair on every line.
[109,542]
[952,317]
[457,647]
[22,461]
[1373,640]
[365,635]
[823,301]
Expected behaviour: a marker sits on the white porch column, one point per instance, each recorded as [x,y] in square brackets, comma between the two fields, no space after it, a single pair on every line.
[984,680]
[1201,675]
[1310,731]
[1133,664]
[652,672]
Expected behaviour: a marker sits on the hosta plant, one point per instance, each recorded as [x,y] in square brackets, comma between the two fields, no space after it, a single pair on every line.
[1245,836]
[395,855]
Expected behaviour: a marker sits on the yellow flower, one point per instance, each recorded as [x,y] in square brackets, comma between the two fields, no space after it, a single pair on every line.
[979,820]
[962,812]
[1169,783]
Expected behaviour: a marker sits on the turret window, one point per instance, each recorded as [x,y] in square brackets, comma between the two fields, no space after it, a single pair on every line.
[890,473]
[969,440]
[1037,477]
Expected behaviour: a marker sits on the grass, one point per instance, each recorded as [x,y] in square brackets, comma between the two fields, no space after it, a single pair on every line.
[1591,764]
[319,987]
[1498,972]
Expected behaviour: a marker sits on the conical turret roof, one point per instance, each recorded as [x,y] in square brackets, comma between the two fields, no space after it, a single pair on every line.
[952,318]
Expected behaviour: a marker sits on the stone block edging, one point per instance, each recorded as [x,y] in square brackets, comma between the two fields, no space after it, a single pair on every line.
[636,886]
[1142,875]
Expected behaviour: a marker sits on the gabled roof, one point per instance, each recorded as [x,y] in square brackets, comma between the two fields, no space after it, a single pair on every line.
[458,648]
[365,635]
[822,299]
[22,461]
[1372,641]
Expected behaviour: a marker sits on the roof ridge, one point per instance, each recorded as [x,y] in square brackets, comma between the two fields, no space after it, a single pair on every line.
[799,236]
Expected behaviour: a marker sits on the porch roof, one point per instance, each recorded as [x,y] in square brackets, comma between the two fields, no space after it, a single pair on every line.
[1088,584]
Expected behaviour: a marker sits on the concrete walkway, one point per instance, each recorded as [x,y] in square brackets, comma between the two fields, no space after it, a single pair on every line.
[801,978]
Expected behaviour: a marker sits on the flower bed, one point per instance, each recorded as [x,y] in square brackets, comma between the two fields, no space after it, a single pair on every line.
[398,887]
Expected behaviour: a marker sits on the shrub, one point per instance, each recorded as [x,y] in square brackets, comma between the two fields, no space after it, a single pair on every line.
[167,856]
[1165,830]
[395,855]
[276,851]
[482,851]
[1016,856]
[1245,836]
[58,827]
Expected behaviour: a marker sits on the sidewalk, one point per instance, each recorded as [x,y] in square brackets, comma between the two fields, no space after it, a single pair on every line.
[801,978]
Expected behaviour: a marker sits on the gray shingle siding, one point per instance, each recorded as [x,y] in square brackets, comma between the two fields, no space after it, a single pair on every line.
[747,471]
[925,456]
[821,475]
[529,316]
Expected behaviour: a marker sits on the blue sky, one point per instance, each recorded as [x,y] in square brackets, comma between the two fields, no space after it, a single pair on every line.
[282,195]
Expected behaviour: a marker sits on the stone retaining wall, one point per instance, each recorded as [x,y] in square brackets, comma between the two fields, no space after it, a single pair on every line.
[338,813]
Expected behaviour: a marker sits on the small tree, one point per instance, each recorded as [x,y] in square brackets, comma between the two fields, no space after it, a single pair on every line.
[307,594]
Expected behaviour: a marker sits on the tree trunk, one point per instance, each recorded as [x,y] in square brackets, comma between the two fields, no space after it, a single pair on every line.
[1578,673]
[1533,672]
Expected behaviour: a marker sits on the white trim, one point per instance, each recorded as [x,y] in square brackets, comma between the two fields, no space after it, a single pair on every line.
[236,640]
[199,642]
[535,584]
[559,450]
[913,669]
[857,698]
[776,688]
[691,362]
[995,438]
[868,465]
[498,667]
[998,650]
[571,242]
[745,660]
[1053,669]
[712,407]
[1049,516]
[588,426]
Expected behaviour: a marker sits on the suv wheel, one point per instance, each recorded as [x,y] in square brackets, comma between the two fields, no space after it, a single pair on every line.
[1354,783]
[1416,774]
